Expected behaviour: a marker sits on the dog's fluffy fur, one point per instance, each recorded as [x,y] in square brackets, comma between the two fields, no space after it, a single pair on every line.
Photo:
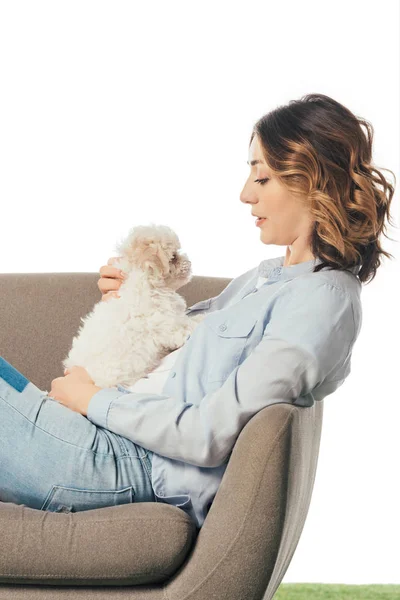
[125,338]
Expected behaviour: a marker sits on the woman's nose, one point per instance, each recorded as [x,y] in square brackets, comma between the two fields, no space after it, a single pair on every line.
[246,196]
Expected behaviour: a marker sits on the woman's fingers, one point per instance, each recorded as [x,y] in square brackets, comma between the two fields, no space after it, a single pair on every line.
[106,284]
[112,259]
[109,295]
[108,271]
[110,279]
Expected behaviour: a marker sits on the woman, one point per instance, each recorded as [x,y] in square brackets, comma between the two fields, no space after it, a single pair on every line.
[281,332]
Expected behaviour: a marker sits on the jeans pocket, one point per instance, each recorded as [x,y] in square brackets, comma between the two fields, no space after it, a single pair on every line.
[67,499]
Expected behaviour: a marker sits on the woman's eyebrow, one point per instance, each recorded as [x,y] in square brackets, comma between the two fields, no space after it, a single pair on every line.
[254,162]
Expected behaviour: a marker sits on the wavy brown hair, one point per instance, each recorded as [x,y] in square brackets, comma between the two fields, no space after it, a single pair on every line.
[317,148]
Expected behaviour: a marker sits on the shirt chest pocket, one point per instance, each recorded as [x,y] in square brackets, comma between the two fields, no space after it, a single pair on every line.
[228,335]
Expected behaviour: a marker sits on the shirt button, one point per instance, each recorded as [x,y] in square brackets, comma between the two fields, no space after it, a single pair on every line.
[173,374]
[222,327]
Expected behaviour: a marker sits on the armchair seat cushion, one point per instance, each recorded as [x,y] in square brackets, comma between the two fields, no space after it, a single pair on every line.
[128,544]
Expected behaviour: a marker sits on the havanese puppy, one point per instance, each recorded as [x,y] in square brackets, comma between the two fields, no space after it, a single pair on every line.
[125,338]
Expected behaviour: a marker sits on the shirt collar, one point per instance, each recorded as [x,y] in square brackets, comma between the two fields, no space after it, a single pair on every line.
[273,267]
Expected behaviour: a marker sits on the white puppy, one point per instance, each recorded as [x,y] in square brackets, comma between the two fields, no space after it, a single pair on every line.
[125,338]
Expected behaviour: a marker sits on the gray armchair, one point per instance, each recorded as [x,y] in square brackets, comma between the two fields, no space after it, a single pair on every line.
[153,550]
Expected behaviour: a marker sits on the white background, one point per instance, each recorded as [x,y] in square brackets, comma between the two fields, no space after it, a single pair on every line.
[120,113]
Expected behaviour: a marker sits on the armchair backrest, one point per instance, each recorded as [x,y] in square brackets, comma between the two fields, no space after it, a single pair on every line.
[41,313]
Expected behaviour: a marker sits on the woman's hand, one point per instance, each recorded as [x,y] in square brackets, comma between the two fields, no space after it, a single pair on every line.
[80,373]
[74,390]
[110,280]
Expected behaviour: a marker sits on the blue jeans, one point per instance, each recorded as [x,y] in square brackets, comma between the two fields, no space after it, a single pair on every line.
[53,458]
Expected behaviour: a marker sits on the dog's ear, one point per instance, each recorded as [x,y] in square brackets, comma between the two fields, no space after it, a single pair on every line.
[152,260]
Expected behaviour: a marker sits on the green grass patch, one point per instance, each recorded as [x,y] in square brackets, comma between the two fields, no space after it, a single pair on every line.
[326,591]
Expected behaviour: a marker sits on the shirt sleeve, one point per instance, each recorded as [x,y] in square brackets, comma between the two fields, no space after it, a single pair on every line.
[308,336]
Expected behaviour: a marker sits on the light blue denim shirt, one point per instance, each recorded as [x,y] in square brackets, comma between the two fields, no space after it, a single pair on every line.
[288,341]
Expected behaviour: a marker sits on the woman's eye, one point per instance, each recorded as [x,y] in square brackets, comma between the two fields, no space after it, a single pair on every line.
[261,181]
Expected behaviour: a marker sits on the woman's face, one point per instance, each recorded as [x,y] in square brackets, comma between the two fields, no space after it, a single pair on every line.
[287,222]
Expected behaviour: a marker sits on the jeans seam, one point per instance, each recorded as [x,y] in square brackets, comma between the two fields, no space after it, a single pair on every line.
[121,443]
[146,462]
